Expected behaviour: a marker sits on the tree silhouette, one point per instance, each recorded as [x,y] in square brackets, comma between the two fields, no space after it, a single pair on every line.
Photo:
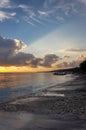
[83,66]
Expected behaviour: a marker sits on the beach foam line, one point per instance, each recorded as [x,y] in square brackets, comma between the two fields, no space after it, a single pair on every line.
[24,100]
[53,94]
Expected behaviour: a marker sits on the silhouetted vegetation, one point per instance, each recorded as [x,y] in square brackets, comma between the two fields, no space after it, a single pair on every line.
[78,70]
[83,66]
[67,71]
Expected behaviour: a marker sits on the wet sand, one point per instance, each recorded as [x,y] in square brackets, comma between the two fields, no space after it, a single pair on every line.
[28,121]
[59,105]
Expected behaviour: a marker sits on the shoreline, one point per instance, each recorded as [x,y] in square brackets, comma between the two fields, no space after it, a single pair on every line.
[49,111]
[73,102]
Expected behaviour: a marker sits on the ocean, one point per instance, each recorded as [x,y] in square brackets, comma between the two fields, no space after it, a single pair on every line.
[20,85]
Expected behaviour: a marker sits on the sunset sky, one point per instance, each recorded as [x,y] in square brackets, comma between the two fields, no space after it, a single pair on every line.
[41,35]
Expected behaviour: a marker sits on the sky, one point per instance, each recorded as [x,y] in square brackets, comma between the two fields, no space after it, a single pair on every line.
[42,35]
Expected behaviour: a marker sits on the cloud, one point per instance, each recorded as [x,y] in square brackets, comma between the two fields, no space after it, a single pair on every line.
[55,10]
[31,17]
[24,7]
[10,46]
[81,58]
[48,3]
[50,10]
[10,51]
[36,62]
[72,50]
[73,63]
[67,7]
[11,54]
[20,59]
[5,15]
[65,57]
[49,60]
[65,65]
[35,19]
[27,19]
[60,18]
[82,1]
[43,13]
[4,3]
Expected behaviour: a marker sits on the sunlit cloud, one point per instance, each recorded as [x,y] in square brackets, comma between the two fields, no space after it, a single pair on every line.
[65,57]
[11,54]
[10,46]
[71,64]
[65,65]
[81,58]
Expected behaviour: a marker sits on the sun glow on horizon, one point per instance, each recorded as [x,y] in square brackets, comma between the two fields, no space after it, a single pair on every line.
[23,69]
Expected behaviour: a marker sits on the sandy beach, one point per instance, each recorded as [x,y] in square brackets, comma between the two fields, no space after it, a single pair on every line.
[54,105]
[29,121]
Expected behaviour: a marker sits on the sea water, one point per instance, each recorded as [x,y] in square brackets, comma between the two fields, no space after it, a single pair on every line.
[18,85]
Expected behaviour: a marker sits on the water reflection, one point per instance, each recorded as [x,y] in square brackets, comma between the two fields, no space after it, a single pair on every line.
[15,85]
[20,79]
